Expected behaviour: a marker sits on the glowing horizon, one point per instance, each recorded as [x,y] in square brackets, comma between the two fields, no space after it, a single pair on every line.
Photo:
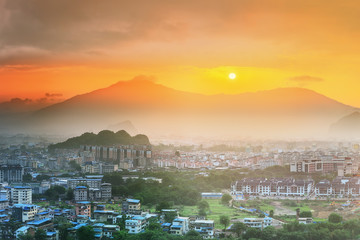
[189,46]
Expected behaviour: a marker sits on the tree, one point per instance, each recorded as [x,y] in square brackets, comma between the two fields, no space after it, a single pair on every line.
[177,153]
[271,213]
[192,235]
[238,228]
[63,230]
[314,233]
[42,177]
[25,237]
[170,216]
[340,234]
[268,233]
[74,165]
[153,225]
[86,233]
[70,194]
[224,220]
[305,214]
[27,177]
[202,212]
[225,199]
[54,192]
[8,229]
[252,233]
[121,235]
[203,204]
[297,212]
[353,227]
[334,218]
[122,221]
[40,234]
[163,205]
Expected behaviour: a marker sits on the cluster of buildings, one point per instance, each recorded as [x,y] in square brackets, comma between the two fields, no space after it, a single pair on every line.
[300,160]
[137,221]
[340,187]
[84,193]
[125,156]
[272,187]
[340,165]
[92,159]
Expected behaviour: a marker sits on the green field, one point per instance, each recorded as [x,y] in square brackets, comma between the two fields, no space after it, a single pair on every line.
[263,205]
[216,210]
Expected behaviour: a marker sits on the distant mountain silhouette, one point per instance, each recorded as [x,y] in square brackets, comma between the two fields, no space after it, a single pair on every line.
[126,125]
[159,110]
[347,127]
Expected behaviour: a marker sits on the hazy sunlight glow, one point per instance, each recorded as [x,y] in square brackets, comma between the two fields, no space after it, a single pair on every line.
[232,75]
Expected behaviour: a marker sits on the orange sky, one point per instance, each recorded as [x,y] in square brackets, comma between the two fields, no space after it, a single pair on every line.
[72,47]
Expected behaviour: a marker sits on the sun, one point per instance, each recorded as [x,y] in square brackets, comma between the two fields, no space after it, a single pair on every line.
[232,75]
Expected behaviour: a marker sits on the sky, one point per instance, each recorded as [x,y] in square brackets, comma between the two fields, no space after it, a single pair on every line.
[69,47]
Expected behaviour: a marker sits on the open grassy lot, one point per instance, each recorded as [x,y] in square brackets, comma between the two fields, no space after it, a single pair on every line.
[263,205]
[216,210]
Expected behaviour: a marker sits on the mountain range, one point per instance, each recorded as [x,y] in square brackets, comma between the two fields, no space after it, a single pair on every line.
[157,110]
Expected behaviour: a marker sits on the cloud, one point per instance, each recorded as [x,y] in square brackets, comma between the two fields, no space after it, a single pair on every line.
[305,79]
[53,95]
[39,30]
[27,104]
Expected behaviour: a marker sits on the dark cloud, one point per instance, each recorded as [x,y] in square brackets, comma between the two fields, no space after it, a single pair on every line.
[24,105]
[305,78]
[50,95]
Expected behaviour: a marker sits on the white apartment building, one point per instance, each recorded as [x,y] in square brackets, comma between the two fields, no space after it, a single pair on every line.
[260,223]
[136,224]
[180,226]
[92,183]
[21,195]
[272,187]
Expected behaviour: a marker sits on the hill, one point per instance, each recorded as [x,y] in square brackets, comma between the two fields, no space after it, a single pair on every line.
[158,110]
[103,138]
[125,125]
[347,126]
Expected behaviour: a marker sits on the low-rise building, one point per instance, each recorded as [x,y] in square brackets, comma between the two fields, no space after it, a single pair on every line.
[24,230]
[131,206]
[211,195]
[180,226]
[4,204]
[260,223]
[136,224]
[24,212]
[205,228]
[105,215]
[305,220]
[98,229]
[41,224]
[83,208]
[109,230]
